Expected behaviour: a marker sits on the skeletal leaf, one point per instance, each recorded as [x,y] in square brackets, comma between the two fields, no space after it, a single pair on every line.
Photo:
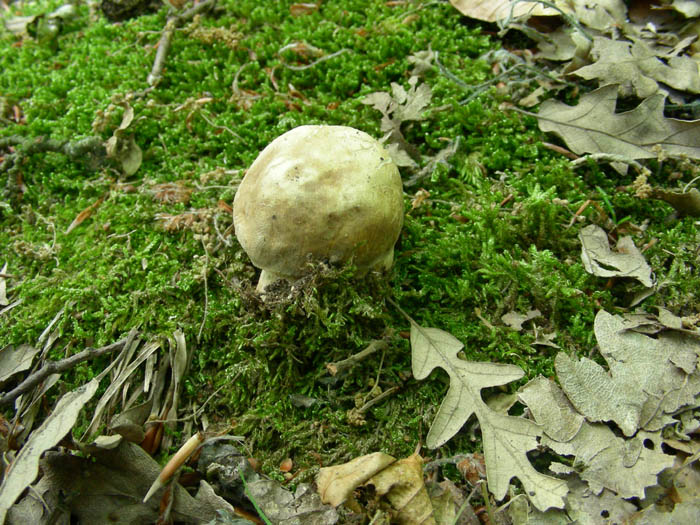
[648,379]
[661,370]
[402,484]
[638,69]
[592,126]
[603,460]
[602,457]
[587,508]
[25,467]
[682,513]
[600,260]
[595,394]
[503,436]
[550,408]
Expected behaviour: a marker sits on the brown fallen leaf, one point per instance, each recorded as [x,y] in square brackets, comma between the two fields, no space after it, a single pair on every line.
[336,483]
[402,484]
[83,215]
[592,126]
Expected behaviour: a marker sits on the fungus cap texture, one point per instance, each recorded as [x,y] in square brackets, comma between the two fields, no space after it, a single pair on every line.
[319,193]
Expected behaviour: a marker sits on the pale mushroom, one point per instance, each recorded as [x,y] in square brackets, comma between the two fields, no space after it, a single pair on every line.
[319,193]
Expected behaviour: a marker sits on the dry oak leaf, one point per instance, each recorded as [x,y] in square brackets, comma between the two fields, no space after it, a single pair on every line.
[506,439]
[603,460]
[598,259]
[592,126]
[638,68]
[495,10]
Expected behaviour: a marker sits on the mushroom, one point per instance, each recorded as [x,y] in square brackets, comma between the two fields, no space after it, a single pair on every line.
[319,193]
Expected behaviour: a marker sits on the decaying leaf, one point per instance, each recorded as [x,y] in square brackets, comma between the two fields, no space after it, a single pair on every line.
[122,375]
[582,506]
[550,407]
[515,320]
[596,394]
[129,424]
[600,260]
[686,203]
[280,505]
[638,69]
[400,106]
[422,62]
[432,162]
[25,467]
[14,360]
[122,147]
[689,8]
[603,460]
[649,377]
[336,483]
[83,215]
[503,436]
[402,484]
[495,10]
[592,126]
[112,483]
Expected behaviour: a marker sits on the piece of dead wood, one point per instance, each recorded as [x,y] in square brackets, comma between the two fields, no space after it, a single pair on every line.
[57,367]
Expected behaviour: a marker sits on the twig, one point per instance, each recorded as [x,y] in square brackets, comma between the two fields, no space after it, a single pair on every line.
[369,404]
[57,367]
[89,150]
[206,292]
[607,157]
[341,366]
[156,74]
[315,62]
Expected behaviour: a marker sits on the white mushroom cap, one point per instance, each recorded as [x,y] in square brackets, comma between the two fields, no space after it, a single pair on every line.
[319,193]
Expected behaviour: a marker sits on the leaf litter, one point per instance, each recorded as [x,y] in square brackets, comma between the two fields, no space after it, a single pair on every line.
[607,466]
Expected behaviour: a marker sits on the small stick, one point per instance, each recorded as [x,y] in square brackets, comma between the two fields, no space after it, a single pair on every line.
[57,367]
[369,404]
[341,366]
[156,74]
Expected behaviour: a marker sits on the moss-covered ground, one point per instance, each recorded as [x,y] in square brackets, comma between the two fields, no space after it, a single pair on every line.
[497,233]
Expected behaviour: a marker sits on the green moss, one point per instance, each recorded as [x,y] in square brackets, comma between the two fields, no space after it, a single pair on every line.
[497,233]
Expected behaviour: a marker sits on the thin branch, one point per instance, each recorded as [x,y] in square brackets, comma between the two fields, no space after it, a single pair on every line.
[346,364]
[156,74]
[57,367]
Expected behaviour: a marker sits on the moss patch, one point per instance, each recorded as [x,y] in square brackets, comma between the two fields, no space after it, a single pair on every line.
[497,233]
